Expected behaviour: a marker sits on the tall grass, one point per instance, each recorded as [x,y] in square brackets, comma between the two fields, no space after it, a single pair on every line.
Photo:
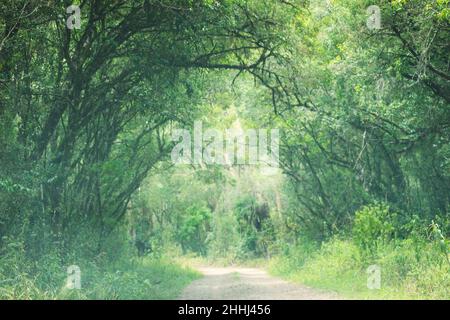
[414,266]
[139,278]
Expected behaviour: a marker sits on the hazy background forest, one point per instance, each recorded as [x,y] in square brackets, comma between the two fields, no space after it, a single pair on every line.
[86,116]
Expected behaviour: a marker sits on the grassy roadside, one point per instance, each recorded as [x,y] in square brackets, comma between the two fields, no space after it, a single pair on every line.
[146,279]
[139,278]
[338,266]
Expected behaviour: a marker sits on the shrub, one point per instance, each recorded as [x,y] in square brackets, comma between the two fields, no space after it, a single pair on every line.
[193,232]
[373,226]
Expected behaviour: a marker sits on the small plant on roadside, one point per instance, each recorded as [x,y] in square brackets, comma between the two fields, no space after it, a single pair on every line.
[374,225]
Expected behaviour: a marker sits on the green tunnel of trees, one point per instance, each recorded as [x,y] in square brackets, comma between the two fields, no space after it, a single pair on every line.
[86,117]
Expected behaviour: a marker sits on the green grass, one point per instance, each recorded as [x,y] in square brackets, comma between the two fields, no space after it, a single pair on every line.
[143,278]
[338,266]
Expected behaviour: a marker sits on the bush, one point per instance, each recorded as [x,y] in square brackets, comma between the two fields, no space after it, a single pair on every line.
[255,226]
[374,225]
[193,232]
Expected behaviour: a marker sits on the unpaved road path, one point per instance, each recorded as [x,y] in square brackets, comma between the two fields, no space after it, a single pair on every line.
[236,283]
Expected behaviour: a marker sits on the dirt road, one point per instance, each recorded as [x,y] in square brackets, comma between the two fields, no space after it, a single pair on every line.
[236,283]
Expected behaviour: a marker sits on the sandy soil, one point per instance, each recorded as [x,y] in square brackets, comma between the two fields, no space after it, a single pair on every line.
[236,283]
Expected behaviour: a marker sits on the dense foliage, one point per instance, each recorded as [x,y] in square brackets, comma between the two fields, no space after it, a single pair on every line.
[86,117]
